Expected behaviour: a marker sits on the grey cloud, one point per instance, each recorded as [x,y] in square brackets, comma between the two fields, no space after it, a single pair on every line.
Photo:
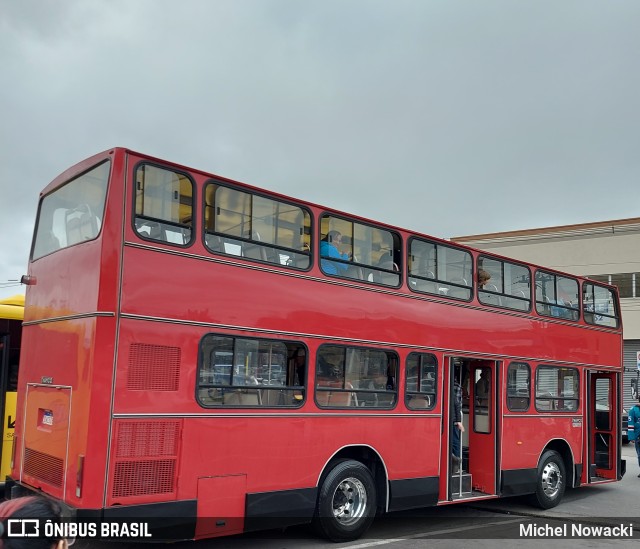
[445,117]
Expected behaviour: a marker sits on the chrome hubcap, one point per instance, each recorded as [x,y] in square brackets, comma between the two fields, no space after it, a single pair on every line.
[349,501]
[551,479]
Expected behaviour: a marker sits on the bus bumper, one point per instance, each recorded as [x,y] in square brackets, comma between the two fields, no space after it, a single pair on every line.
[166,521]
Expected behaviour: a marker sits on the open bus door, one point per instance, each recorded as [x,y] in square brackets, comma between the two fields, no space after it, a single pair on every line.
[603,427]
[11,315]
[475,471]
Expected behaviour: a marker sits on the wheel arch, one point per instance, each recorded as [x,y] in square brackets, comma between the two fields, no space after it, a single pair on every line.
[370,458]
[563,448]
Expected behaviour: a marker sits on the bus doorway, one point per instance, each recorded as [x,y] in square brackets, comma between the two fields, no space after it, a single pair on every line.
[472,465]
[603,427]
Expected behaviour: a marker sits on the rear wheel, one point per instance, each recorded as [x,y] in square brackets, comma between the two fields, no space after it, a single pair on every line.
[346,503]
[551,481]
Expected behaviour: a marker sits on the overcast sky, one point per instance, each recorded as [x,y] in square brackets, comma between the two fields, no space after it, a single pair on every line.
[446,117]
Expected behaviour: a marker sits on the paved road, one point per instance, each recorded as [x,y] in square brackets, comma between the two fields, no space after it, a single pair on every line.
[482,525]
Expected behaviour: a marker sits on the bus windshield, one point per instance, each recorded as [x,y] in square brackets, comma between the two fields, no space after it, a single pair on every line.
[73,213]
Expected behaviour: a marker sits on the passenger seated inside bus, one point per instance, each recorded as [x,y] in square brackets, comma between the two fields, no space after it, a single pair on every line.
[329,247]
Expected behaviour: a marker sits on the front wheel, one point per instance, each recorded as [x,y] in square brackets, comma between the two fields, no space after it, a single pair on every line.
[551,481]
[346,503]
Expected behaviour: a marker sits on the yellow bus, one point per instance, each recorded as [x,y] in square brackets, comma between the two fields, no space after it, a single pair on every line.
[11,315]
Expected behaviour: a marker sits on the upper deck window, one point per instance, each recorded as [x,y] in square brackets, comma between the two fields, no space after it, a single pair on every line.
[439,269]
[600,306]
[253,226]
[509,285]
[362,252]
[557,296]
[72,213]
[164,205]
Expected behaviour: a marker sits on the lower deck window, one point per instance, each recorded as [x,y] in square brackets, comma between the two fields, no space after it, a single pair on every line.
[247,372]
[556,389]
[347,376]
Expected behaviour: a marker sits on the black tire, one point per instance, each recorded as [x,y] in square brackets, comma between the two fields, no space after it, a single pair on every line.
[346,503]
[551,481]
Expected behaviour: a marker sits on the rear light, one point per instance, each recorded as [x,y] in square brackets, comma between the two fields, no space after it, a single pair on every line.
[13,451]
[79,476]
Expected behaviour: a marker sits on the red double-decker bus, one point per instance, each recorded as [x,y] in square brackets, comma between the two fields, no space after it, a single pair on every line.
[229,359]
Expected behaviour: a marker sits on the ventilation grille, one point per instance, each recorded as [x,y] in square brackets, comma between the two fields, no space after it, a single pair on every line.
[146,456]
[144,478]
[153,368]
[147,439]
[44,467]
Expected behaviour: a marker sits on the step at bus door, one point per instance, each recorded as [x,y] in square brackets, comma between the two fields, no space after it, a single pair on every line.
[603,426]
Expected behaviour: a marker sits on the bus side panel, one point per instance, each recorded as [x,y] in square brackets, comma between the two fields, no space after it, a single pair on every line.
[77,367]
[524,439]
[232,295]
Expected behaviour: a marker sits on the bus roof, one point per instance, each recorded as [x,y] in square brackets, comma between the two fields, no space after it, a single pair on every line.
[12,308]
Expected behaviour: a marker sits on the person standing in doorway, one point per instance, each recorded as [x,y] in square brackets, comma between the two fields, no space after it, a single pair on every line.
[458,427]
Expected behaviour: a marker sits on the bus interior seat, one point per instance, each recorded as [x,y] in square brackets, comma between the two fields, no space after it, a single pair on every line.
[255,249]
[384,276]
[273,397]
[302,260]
[213,242]
[491,299]
[335,398]
[73,231]
[427,286]
[156,232]
[517,403]
[354,271]
[458,291]
[242,397]
[420,401]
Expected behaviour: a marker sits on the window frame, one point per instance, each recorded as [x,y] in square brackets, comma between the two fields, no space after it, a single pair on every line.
[294,345]
[419,378]
[500,295]
[397,248]
[150,219]
[541,304]
[46,197]
[590,316]
[354,392]
[551,398]
[514,365]
[233,239]
[480,410]
[445,284]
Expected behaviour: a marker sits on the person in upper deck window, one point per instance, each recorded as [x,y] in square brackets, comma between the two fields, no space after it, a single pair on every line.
[330,247]
[483,278]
